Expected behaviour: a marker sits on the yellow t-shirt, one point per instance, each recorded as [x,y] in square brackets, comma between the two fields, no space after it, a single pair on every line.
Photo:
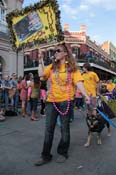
[61,91]
[110,87]
[90,82]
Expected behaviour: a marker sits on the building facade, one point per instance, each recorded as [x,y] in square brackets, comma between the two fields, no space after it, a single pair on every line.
[9,61]
[111,50]
[83,49]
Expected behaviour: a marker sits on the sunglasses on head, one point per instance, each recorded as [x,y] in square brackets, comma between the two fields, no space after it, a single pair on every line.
[58,51]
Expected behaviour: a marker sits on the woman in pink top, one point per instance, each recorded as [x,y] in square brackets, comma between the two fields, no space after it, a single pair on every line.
[23,95]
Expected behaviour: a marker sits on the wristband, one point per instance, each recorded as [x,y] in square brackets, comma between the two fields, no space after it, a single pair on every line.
[40,62]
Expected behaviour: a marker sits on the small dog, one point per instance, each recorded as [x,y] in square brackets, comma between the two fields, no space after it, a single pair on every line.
[96,124]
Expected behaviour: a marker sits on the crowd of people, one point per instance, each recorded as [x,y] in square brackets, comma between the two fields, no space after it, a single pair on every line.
[68,89]
[11,94]
[21,95]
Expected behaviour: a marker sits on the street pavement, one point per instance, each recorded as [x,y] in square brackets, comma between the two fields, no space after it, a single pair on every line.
[21,143]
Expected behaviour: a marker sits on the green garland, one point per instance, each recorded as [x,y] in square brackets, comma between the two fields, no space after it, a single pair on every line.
[31,8]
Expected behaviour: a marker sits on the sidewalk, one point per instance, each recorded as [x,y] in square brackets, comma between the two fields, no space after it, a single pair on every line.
[21,144]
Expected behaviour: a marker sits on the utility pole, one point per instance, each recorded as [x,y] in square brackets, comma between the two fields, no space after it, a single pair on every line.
[17,62]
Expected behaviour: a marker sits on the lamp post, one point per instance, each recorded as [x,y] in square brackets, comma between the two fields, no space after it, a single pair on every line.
[17,62]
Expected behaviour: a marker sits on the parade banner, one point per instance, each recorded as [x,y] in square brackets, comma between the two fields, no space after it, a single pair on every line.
[37,24]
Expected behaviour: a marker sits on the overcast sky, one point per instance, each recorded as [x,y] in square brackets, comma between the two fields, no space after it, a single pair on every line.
[99,16]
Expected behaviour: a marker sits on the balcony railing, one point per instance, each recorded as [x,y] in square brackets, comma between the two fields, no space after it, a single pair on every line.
[81,60]
[33,64]
[98,62]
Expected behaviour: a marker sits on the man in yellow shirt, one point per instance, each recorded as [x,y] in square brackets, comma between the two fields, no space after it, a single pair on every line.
[110,86]
[91,84]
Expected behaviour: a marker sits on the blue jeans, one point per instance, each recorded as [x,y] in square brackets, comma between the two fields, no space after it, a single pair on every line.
[79,102]
[33,103]
[1,99]
[51,119]
[15,102]
[28,107]
[59,121]
[6,100]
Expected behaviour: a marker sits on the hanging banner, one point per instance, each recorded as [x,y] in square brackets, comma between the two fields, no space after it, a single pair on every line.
[38,24]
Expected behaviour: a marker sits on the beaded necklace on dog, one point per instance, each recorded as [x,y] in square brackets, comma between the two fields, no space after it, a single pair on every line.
[67,81]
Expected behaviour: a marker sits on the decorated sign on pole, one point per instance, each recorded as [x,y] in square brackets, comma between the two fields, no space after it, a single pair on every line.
[37,24]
